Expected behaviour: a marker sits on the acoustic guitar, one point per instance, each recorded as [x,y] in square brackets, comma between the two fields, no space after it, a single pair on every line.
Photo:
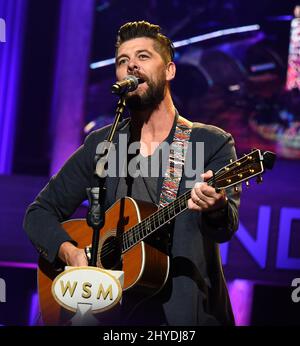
[129,224]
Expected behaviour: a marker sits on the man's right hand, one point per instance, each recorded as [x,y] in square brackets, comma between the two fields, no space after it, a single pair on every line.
[71,255]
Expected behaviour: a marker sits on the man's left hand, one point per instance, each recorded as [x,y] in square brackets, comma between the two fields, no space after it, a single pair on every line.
[205,198]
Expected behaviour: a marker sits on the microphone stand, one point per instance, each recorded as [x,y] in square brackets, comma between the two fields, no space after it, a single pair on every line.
[96,195]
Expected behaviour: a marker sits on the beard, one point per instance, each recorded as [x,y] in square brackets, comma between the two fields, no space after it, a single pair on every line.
[150,99]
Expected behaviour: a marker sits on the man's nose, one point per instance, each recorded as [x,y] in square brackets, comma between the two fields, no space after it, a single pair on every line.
[132,66]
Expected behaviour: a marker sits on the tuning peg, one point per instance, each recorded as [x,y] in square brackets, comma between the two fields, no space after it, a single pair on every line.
[231,160]
[247,183]
[259,179]
[236,188]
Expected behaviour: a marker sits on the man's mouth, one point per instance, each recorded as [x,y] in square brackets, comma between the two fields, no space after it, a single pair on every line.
[141,80]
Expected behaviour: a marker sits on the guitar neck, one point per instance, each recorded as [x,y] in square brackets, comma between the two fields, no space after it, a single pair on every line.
[160,218]
[234,173]
[154,222]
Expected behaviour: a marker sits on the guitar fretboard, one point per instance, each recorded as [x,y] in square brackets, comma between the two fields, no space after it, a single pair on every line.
[230,175]
[155,221]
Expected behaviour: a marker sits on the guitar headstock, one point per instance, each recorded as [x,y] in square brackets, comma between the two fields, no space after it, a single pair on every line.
[243,169]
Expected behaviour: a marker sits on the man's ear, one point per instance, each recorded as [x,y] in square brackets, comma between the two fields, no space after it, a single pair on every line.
[170,71]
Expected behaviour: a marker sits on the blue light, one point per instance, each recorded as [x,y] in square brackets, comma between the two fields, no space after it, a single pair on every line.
[34,310]
[10,71]
[102,63]
[216,34]
[263,67]
[284,18]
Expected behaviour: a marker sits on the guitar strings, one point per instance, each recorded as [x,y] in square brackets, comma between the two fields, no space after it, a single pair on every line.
[134,232]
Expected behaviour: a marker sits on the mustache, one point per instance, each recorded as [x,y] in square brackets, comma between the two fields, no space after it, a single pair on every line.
[140,76]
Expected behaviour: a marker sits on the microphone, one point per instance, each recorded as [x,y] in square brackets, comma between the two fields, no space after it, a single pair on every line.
[129,83]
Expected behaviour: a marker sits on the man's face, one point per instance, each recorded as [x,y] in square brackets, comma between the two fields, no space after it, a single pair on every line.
[139,58]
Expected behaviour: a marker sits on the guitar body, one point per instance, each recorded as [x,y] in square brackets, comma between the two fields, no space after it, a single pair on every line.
[145,267]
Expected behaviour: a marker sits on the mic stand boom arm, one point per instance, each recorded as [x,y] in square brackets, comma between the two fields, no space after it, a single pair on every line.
[96,195]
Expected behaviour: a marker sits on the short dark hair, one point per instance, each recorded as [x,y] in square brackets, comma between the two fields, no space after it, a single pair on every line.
[162,44]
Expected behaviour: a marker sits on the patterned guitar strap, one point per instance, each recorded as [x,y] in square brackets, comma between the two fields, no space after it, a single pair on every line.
[177,154]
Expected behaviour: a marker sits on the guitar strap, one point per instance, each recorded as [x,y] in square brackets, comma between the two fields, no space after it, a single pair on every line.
[171,183]
[177,155]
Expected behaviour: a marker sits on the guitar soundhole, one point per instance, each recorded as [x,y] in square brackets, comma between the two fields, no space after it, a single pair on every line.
[110,255]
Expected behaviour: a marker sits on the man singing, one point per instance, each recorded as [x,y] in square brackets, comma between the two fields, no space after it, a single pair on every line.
[195,292]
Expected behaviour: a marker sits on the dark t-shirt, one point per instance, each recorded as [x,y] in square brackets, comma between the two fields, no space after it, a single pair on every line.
[143,186]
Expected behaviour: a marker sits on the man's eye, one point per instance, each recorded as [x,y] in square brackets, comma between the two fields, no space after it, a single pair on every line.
[143,56]
[122,61]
